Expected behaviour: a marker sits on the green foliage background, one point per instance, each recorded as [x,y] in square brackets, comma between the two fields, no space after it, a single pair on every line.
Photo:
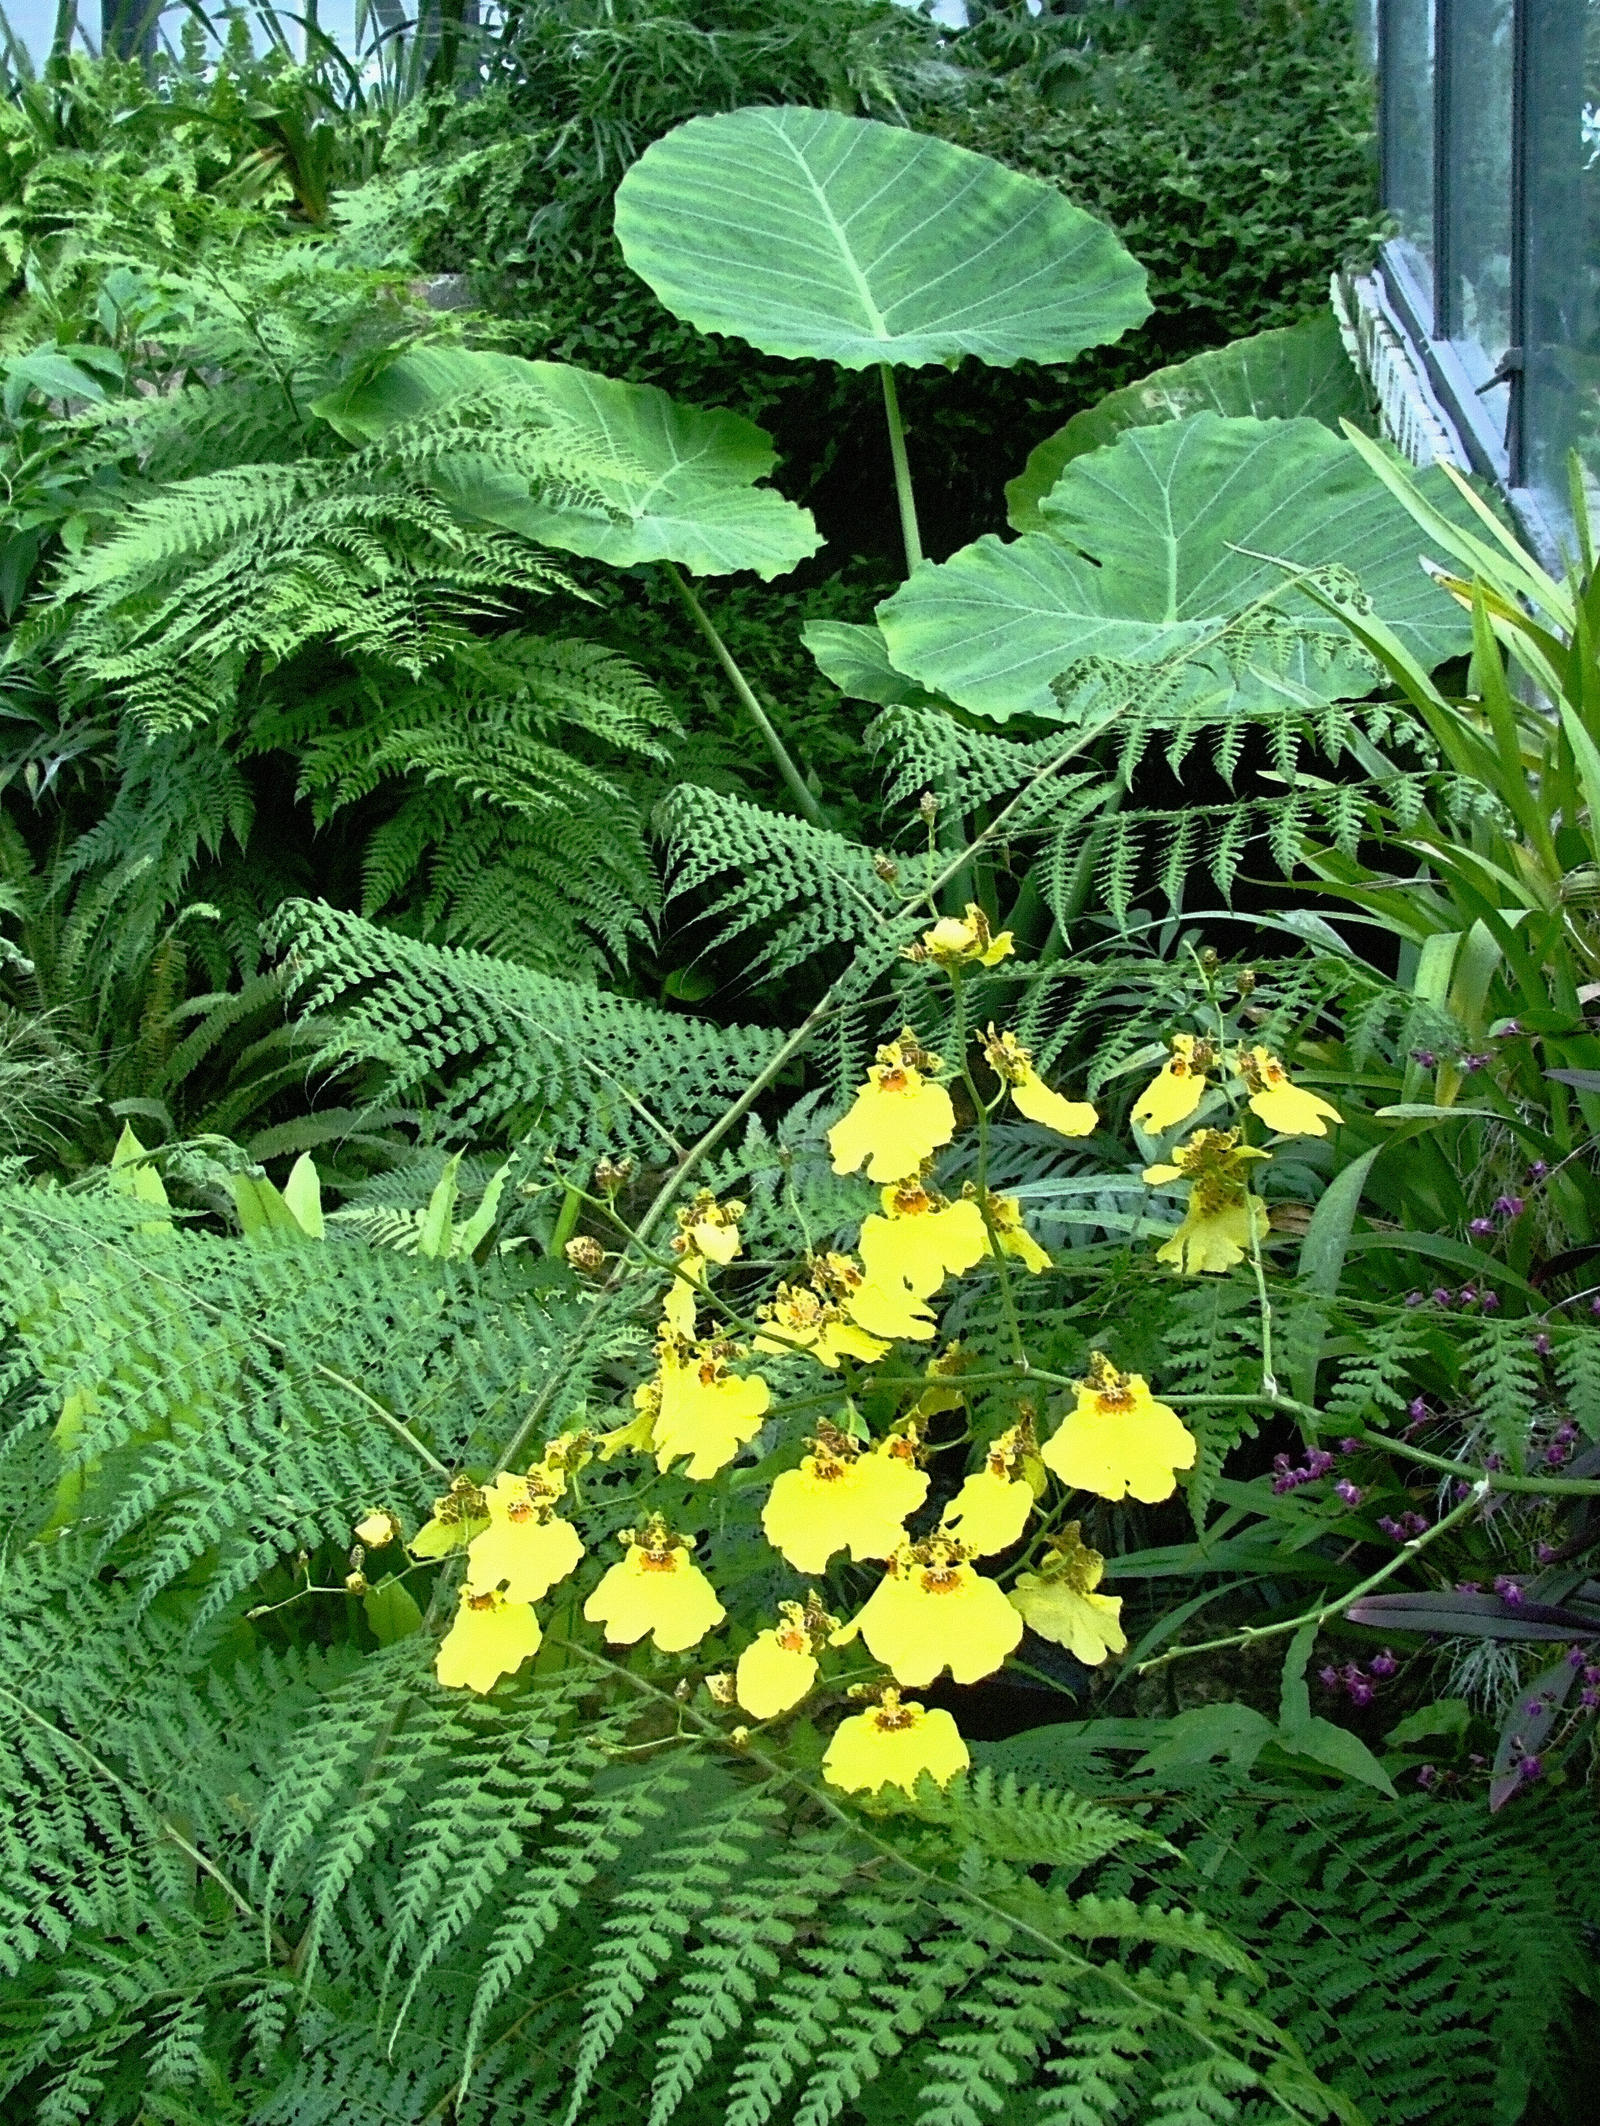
[332,819]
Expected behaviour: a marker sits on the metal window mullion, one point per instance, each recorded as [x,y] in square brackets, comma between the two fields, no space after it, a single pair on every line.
[1445,303]
[1521,237]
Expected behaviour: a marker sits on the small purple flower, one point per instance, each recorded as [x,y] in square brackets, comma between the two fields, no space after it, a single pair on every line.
[1417,1410]
[1494,1462]
[1533,1708]
[1481,1228]
[1349,1446]
[1544,1553]
[1541,1344]
[1442,1296]
[1468,1294]
[1509,1032]
[1530,1768]
[1555,1454]
[1352,1494]
[1361,1693]
[1491,1300]
[1463,1490]
[1538,1170]
[1424,1056]
[1469,1587]
[1508,1590]
[1565,1434]
[1391,1527]
[1384,1663]
[1591,1672]
[1427,1777]
[1576,1657]
[1416,1299]
[1318,1463]
[1473,1060]
[1589,1698]
[1329,1678]
[1508,1206]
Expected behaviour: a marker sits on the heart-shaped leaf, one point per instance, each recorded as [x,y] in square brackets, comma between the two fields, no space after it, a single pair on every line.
[1272,376]
[632,475]
[1155,546]
[809,233]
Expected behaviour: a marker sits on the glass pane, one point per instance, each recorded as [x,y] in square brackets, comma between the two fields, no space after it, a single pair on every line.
[1407,33]
[1476,304]
[1561,403]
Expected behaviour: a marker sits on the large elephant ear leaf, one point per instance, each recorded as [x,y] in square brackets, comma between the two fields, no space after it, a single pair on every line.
[856,659]
[1155,547]
[1298,370]
[812,234]
[619,472]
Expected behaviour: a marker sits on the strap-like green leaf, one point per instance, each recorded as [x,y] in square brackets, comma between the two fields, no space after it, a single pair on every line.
[808,233]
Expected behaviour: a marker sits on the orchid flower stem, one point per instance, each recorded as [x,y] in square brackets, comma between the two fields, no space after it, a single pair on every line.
[902,468]
[1252,1632]
[799,789]
[1008,1298]
[1269,1379]
[1498,1480]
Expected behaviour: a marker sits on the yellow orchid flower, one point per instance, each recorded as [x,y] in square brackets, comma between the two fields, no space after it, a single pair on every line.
[932,1611]
[657,1588]
[1177,1088]
[491,1637]
[705,1411]
[892,1744]
[844,1498]
[1013,1237]
[376,1530]
[456,1519]
[882,1311]
[1282,1105]
[962,941]
[779,1667]
[900,1116]
[526,1548]
[1030,1096]
[944,1372]
[1223,1217]
[680,1309]
[709,1228]
[920,1239]
[1119,1440]
[991,1509]
[637,1436]
[708,1232]
[1059,1600]
[802,1318]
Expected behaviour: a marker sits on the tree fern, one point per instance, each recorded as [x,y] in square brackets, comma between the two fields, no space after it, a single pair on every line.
[508,1051]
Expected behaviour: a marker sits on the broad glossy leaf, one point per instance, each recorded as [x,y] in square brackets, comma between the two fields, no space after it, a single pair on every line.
[809,233]
[856,659]
[1152,548]
[1272,376]
[635,475]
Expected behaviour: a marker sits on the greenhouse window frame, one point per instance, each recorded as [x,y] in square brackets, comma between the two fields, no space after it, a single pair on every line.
[1483,396]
